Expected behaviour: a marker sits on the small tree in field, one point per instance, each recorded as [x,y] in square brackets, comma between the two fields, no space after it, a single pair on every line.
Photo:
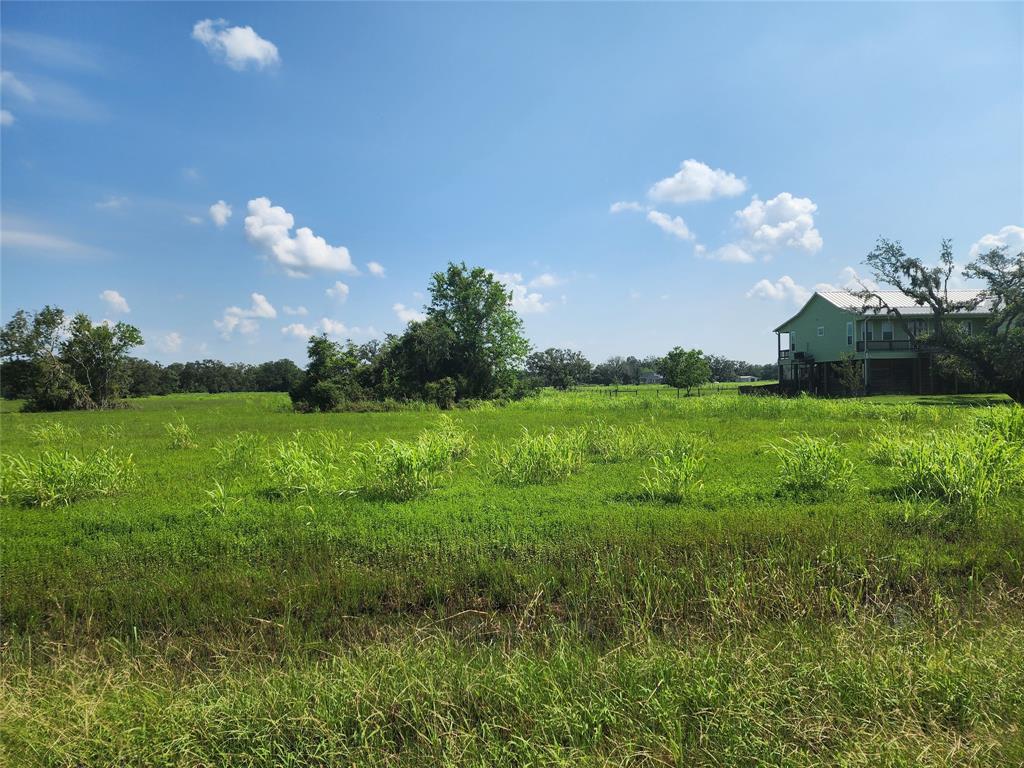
[685,369]
[850,373]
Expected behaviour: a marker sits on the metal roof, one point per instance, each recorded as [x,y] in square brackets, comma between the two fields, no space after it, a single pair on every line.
[851,302]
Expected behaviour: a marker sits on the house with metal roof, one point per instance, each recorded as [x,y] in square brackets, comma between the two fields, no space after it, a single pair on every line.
[892,350]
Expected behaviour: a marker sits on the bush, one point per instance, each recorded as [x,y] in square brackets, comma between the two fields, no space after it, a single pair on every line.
[295,469]
[812,465]
[180,434]
[60,478]
[675,474]
[538,458]
[441,393]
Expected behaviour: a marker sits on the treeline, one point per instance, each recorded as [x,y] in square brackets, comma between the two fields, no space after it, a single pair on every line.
[564,368]
[140,378]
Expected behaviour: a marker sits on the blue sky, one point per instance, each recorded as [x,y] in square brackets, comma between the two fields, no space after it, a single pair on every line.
[755,150]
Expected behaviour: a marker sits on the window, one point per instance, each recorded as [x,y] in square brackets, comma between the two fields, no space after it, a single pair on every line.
[849,334]
[821,330]
[887,330]
[792,339]
[869,329]
[967,326]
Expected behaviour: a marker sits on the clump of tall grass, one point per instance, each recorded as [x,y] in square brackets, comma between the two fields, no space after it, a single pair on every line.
[293,469]
[964,469]
[52,433]
[1005,423]
[242,451]
[675,474]
[60,477]
[812,465]
[390,470]
[446,443]
[180,434]
[219,501]
[610,443]
[887,446]
[532,459]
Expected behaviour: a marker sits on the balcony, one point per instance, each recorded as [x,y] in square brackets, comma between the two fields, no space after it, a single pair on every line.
[890,345]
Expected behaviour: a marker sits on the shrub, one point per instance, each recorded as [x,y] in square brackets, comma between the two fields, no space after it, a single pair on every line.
[395,471]
[538,458]
[180,435]
[675,474]
[965,470]
[441,393]
[294,469]
[60,477]
[812,465]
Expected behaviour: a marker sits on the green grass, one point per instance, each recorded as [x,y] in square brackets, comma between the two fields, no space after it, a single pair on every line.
[360,603]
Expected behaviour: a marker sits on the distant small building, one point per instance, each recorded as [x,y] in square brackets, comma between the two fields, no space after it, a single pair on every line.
[746,378]
[650,377]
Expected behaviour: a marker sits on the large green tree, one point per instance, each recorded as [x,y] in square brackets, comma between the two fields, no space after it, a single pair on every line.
[73,364]
[473,313]
[558,368]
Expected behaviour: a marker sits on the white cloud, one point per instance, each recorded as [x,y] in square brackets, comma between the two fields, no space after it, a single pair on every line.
[191,174]
[674,226]
[333,327]
[220,212]
[546,280]
[783,289]
[298,330]
[524,301]
[112,203]
[338,291]
[783,221]
[237,46]
[6,118]
[697,181]
[17,233]
[301,311]
[244,320]
[270,226]
[407,314]
[1010,237]
[12,86]
[730,252]
[170,343]
[625,205]
[115,301]
[375,269]
[849,280]
[194,219]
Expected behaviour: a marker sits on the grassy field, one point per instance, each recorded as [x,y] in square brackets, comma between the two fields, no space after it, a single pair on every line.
[642,580]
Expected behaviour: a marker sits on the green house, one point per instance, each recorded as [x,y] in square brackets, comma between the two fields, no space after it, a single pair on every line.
[834,326]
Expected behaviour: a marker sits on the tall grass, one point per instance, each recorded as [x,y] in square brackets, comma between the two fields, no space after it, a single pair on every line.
[241,451]
[676,474]
[294,469]
[611,443]
[180,434]
[812,466]
[532,459]
[56,478]
[53,433]
[964,470]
